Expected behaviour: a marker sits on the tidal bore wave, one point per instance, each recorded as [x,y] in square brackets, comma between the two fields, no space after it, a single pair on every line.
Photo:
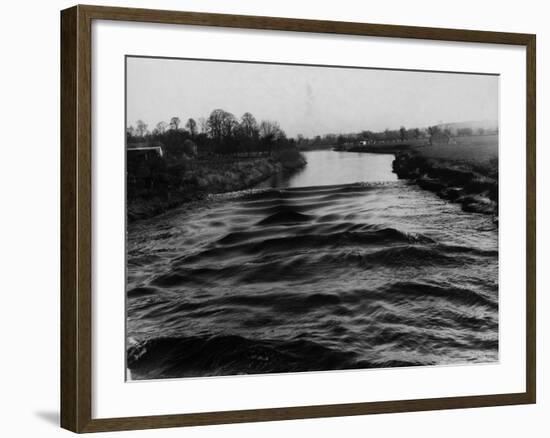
[307,279]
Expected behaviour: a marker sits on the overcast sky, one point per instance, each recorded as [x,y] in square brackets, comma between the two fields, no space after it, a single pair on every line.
[306,100]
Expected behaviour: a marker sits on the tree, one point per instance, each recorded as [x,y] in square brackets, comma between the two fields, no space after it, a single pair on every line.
[433,131]
[141,128]
[416,133]
[249,126]
[191,126]
[391,134]
[271,134]
[175,123]
[271,130]
[465,132]
[203,125]
[246,133]
[221,125]
[368,135]
[402,133]
[161,127]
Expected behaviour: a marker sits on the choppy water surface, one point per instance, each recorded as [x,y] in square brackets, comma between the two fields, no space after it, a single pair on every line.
[318,277]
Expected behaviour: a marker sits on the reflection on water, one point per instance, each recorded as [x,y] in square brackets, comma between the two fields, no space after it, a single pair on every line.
[324,273]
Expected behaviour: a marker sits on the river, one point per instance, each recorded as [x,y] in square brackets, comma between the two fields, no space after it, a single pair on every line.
[333,168]
[338,266]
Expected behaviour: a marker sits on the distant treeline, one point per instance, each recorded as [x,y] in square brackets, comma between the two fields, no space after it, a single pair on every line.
[401,134]
[221,133]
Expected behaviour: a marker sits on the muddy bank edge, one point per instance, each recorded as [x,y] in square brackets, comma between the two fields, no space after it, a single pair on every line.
[475,188]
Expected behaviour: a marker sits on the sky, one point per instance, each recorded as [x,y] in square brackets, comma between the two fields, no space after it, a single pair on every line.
[307,100]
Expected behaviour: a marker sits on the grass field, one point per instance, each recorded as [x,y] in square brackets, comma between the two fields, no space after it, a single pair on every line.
[475,150]
[463,171]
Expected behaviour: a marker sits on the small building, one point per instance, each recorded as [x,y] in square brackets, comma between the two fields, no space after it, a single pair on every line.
[143,165]
[145,153]
[141,161]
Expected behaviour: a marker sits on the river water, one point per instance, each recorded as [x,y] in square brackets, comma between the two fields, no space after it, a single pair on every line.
[339,266]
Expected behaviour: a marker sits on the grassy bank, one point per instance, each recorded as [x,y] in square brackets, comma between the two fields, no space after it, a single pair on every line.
[159,185]
[465,172]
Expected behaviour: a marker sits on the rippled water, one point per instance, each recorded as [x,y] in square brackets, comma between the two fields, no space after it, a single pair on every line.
[322,277]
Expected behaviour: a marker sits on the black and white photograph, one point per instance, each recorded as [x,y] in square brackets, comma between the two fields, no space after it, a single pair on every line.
[285,218]
[273,219]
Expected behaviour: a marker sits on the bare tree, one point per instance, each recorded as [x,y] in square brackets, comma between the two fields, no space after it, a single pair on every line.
[271,130]
[221,124]
[271,133]
[141,128]
[161,127]
[191,126]
[175,123]
[203,125]
[249,125]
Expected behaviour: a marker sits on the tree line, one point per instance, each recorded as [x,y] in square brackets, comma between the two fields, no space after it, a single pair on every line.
[220,133]
[388,135]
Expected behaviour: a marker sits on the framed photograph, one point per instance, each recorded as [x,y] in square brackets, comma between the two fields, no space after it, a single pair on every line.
[269,218]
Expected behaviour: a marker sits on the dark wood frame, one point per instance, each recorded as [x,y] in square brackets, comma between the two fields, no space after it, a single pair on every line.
[76,238]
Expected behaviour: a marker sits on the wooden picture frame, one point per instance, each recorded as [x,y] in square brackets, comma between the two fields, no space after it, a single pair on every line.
[76,218]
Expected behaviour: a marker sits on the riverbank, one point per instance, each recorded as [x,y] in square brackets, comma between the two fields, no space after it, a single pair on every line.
[164,186]
[389,148]
[449,172]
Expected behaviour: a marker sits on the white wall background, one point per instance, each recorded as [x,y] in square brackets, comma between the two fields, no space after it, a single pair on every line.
[29,230]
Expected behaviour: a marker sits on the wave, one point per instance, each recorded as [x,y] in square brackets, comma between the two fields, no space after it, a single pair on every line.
[412,255]
[285,217]
[226,355]
[314,278]
[251,257]
[417,290]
